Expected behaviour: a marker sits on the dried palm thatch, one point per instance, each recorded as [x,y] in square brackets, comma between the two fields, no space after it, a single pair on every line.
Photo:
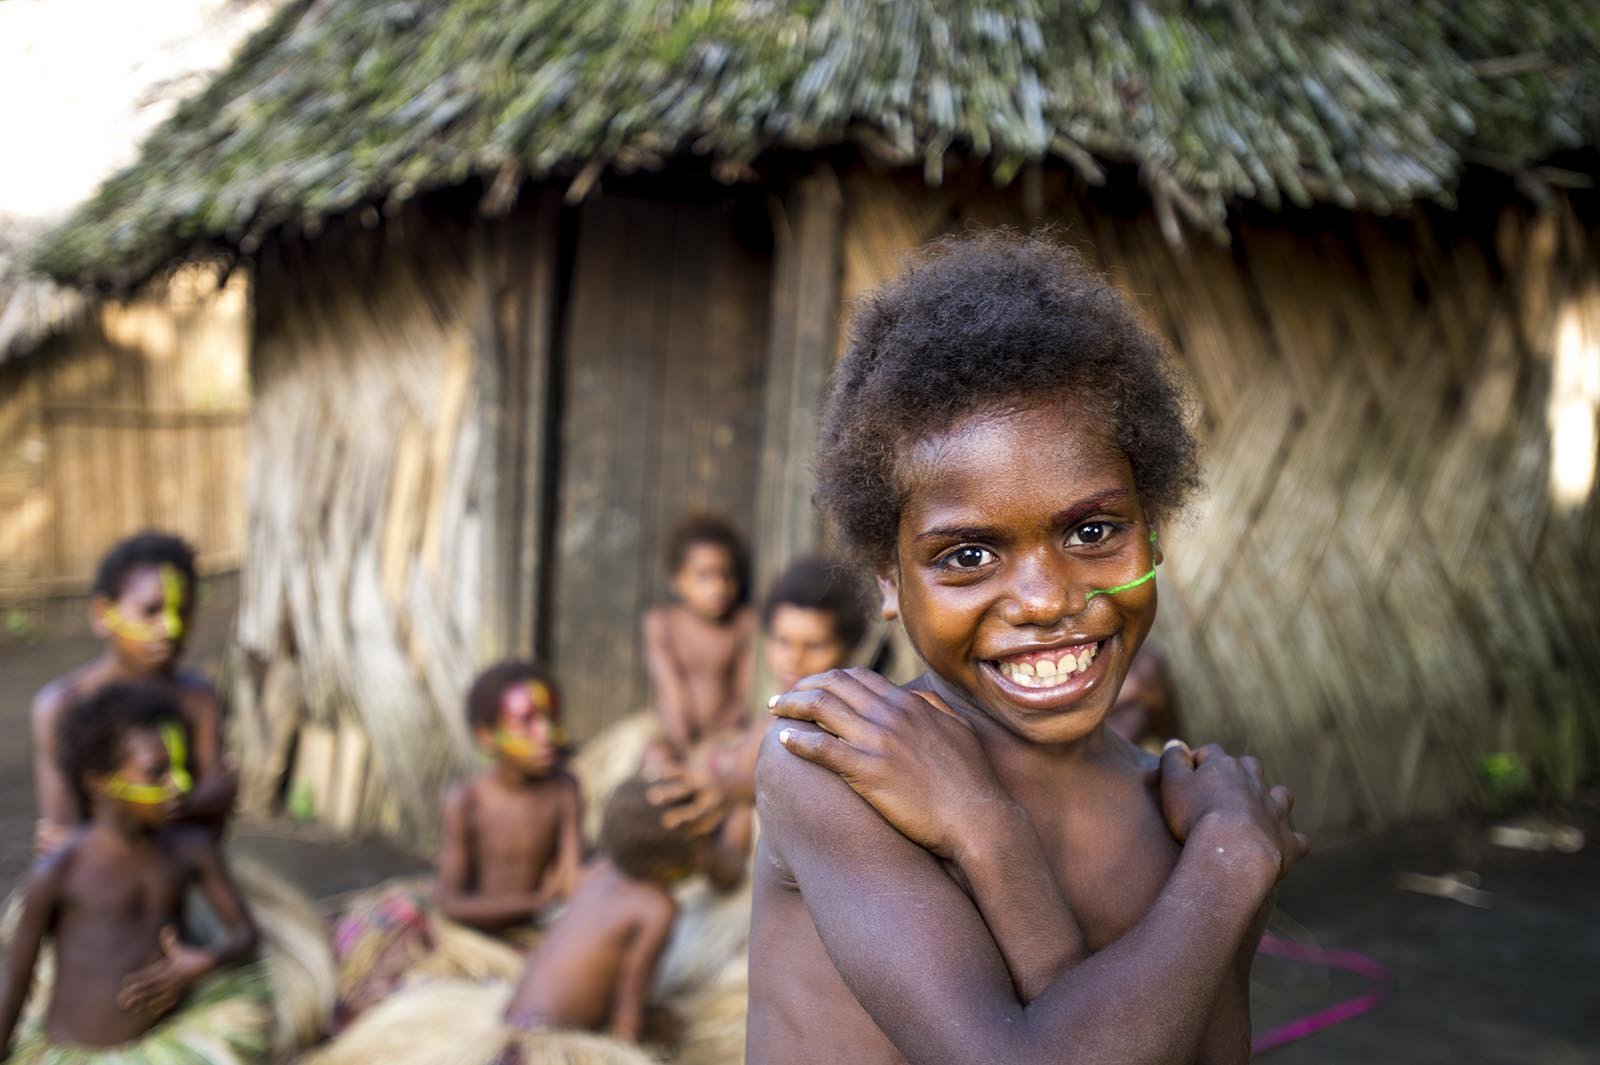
[360,606]
[456,1022]
[335,106]
[298,961]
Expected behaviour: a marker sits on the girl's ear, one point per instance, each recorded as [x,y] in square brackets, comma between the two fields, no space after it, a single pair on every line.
[1156,555]
[99,606]
[889,588]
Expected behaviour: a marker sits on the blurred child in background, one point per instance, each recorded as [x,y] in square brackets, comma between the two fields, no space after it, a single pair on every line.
[142,608]
[510,847]
[109,895]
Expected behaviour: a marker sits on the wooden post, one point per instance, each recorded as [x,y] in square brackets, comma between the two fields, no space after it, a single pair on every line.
[800,353]
[518,276]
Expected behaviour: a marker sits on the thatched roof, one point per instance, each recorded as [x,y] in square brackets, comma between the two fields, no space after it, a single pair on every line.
[339,105]
[32,308]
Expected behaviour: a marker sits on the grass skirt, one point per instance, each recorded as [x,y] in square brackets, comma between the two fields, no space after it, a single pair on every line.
[392,937]
[458,1022]
[296,960]
[225,1021]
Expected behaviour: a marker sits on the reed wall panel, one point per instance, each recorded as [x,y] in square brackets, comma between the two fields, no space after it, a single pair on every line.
[132,416]
[361,602]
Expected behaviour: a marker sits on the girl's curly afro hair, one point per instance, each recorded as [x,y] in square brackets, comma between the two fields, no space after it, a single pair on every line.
[991,322]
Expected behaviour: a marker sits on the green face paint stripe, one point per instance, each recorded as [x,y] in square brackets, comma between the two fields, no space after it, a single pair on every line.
[1125,587]
[1121,587]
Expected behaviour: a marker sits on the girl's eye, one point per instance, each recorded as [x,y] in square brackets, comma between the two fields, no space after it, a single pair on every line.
[1090,533]
[968,558]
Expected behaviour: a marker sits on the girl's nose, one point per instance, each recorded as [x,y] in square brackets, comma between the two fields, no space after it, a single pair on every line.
[1041,593]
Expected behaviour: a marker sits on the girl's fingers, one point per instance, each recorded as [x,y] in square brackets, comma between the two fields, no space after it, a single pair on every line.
[860,689]
[1284,798]
[820,748]
[822,707]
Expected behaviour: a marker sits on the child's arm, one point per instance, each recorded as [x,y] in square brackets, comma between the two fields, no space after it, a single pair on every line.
[638,965]
[1227,1038]
[157,987]
[216,783]
[932,977]
[665,682]
[562,876]
[58,810]
[38,914]
[737,709]
[453,875]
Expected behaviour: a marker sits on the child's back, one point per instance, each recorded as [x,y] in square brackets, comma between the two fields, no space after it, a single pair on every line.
[593,968]
[573,975]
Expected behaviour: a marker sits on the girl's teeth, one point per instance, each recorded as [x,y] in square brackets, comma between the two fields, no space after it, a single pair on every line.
[1047,673]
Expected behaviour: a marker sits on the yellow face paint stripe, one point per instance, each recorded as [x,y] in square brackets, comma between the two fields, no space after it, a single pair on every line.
[141,794]
[172,593]
[177,755]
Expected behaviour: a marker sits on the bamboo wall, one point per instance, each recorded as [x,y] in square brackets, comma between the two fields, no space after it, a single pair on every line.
[1392,573]
[132,416]
[360,598]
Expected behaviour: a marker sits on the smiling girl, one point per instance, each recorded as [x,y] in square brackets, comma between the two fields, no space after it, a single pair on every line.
[974,868]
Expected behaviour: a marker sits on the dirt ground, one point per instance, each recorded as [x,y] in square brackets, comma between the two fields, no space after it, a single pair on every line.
[1514,982]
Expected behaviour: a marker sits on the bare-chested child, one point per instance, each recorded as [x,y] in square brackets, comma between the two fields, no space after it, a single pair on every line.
[510,846]
[510,838]
[142,607]
[698,648]
[812,620]
[110,895]
[592,970]
[973,868]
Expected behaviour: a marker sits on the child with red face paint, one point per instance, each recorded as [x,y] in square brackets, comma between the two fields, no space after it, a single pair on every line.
[510,847]
[110,898]
[510,841]
[974,867]
[142,607]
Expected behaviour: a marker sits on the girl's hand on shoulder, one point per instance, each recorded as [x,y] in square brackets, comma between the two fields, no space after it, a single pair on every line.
[1210,787]
[908,754]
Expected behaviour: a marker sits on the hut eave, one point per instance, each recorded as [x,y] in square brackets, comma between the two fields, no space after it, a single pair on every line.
[1371,105]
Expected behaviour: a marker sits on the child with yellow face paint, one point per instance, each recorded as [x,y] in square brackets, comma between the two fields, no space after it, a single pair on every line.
[510,846]
[111,898]
[510,838]
[142,608]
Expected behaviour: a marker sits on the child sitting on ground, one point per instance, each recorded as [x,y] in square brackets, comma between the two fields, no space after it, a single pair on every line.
[592,970]
[698,647]
[974,868]
[142,607]
[510,847]
[110,898]
[510,839]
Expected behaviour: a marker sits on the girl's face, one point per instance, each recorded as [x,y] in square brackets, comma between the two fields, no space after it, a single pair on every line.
[147,623]
[143,785]
[1010,521]
[707,582]
[801,642]
[529,735]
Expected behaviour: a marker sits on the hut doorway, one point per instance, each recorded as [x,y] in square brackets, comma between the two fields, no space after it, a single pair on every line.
[661,372]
